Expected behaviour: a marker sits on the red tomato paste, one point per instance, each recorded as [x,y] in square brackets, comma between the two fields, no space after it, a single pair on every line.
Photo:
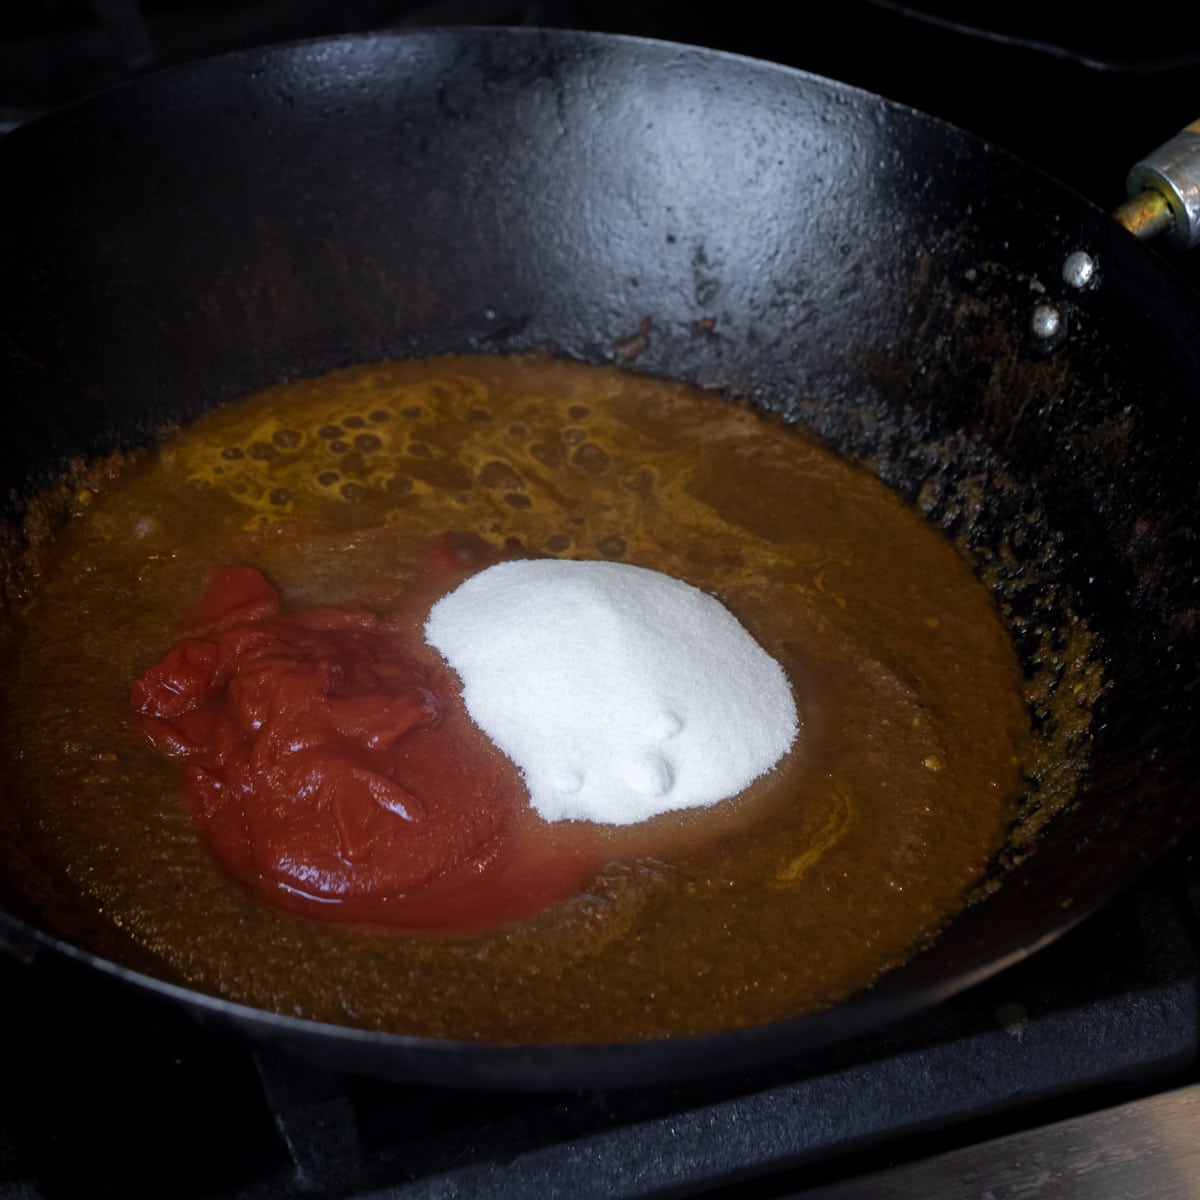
[331,767]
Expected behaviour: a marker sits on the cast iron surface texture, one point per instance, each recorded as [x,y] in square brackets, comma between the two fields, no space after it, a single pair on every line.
[840,260]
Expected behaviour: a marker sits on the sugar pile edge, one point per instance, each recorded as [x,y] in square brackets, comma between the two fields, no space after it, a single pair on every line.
[620,692]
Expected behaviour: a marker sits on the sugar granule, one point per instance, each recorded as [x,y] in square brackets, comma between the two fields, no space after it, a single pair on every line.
[619,692]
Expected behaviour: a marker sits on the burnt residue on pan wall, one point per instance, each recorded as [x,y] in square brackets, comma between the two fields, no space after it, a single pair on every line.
[1064,469]
[795,244]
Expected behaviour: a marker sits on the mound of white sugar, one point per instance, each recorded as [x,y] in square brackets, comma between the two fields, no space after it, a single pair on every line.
[619,692]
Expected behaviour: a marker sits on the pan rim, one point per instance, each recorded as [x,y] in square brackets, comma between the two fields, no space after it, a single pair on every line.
[696,1055]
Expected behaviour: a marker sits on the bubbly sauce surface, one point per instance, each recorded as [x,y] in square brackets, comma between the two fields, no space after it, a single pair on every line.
[831,868]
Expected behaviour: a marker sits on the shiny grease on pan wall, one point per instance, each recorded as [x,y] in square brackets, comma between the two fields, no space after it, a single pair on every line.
[839,260]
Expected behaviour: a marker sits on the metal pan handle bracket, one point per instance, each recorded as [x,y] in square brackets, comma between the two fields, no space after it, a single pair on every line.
[1164,192]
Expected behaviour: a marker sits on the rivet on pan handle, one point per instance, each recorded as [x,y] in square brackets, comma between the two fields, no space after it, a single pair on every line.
[1164,192]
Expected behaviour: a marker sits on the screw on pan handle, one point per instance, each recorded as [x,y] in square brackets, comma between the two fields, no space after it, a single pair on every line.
[1164,192]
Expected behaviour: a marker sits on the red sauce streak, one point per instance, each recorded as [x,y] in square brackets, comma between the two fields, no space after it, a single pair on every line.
[332,769]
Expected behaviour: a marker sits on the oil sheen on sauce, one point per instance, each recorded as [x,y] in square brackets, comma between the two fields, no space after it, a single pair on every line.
[837,864]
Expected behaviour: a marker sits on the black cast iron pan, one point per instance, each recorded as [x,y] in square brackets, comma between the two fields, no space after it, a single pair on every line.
[846,262]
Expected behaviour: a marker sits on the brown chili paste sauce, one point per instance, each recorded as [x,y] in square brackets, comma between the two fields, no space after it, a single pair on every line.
[833,867]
